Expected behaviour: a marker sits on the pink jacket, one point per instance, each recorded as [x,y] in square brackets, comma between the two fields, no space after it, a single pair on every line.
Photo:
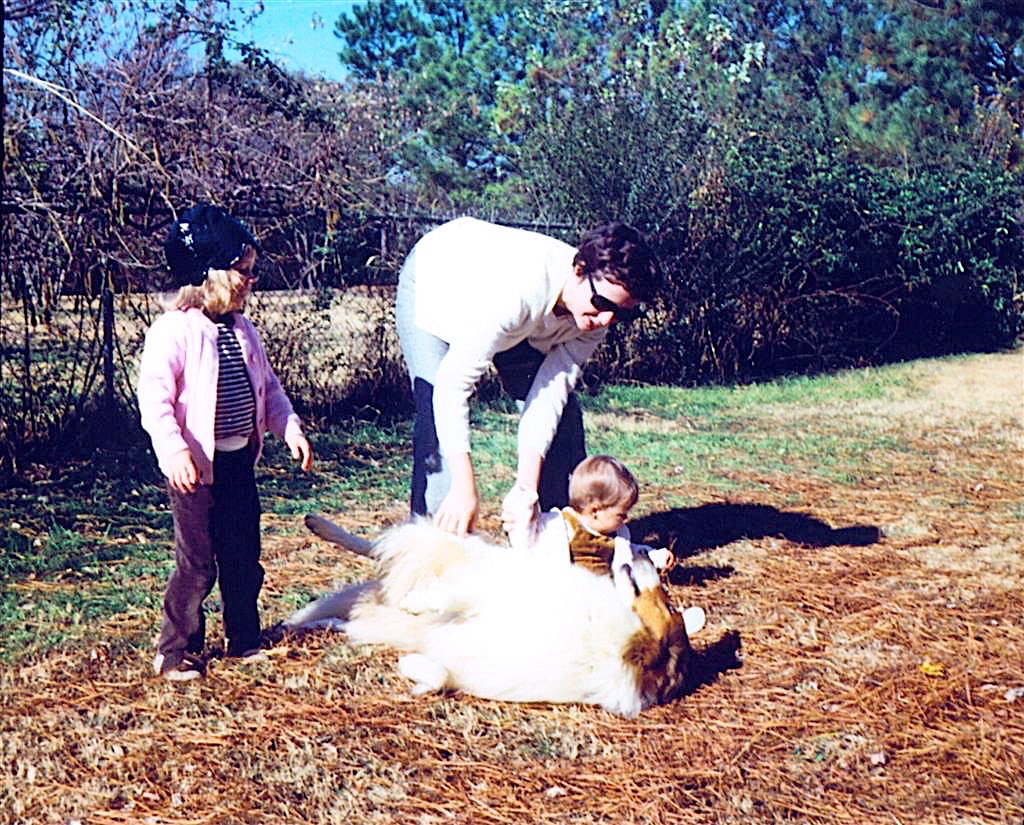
[177,388]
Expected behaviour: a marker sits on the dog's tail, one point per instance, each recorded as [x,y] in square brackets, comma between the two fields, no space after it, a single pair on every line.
[329,531]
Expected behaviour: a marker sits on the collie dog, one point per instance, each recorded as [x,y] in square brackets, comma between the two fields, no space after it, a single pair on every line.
[505,624]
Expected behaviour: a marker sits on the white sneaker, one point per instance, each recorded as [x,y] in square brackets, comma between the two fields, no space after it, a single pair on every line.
[693,619]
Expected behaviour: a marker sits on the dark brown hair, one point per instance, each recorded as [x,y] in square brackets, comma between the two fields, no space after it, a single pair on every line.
[619,253]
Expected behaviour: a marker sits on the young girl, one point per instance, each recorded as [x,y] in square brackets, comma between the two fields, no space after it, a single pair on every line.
[207,395]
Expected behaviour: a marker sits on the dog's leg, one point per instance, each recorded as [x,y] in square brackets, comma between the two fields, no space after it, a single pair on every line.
[337,605]
[426,674]
[693,619]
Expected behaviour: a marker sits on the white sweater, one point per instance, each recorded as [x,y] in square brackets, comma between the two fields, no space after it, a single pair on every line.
[483,288]
[555,533]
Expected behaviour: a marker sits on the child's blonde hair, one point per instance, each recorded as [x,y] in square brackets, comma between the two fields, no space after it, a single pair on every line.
[602,481]
[223,291]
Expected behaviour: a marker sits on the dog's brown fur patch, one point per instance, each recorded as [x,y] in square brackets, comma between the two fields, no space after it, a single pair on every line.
[660,651]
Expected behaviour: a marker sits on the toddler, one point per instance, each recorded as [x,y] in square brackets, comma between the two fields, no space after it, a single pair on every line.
[207,395]
[591,532]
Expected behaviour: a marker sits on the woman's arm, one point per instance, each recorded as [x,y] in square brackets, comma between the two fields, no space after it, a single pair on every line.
[528,472]
[459,510]
[546,400]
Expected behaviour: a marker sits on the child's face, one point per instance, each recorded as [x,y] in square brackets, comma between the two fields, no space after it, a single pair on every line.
[243,271]
[606,520]
[244,265]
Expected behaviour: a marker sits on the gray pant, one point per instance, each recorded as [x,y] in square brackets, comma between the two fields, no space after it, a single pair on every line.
[216,535]
[516,368]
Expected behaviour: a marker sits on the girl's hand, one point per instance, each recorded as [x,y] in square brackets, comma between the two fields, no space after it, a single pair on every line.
[301,451]
[183,475]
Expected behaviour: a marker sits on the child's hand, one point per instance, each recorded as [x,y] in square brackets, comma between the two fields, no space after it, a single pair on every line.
[183,474]
[662,558]
[301,451]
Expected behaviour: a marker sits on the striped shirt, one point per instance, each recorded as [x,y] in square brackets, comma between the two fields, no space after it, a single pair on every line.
[236,405]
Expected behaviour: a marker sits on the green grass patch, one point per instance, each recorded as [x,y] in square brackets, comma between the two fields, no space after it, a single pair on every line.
[741,399]
[714,432]
[354,464]
[48,619]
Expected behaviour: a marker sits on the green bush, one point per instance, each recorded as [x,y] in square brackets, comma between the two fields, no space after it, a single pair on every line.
[960,255]
[783,250]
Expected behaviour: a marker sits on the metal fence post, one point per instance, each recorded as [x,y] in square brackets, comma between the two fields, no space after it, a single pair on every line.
[108,353]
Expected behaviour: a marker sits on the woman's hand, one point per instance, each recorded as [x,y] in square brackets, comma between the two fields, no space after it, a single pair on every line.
[182,474]
[458,512]
[461,507]
[301,451]
[519,516]
[520,510]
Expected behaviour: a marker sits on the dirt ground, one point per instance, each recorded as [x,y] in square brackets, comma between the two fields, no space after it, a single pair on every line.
[879,675]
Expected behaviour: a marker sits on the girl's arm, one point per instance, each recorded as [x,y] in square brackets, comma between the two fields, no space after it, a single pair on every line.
[159,373]
[284,423]
[281,418]
[278,413]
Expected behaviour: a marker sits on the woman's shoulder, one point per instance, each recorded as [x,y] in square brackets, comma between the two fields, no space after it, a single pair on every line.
[467,231]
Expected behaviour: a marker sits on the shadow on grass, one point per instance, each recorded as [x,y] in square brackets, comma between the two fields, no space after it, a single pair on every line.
[709,662]
[688,530]
[692,529]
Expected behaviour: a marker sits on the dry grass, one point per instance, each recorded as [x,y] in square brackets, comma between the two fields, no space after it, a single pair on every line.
[334,334]
[879,682]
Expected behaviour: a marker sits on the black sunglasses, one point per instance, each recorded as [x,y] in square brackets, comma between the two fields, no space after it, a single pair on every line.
[623,315]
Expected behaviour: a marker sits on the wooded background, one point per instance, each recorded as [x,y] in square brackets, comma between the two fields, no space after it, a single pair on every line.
[827,184]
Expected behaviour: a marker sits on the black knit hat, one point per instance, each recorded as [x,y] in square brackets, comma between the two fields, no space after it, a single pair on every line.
[204,237]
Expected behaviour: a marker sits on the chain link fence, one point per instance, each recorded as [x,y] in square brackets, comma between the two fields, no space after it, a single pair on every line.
[68,373]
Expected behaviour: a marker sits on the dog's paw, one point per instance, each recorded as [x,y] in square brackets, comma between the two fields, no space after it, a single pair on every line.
[426,674]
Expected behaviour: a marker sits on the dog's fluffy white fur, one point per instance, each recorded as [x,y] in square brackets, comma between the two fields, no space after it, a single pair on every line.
[507,625]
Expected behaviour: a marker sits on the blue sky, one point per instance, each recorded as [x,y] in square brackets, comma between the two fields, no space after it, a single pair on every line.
[299,34]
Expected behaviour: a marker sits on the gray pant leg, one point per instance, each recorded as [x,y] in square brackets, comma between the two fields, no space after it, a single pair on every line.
[195,572]
[422,353]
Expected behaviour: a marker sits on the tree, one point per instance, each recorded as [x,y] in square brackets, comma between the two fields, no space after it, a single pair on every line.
[380,39]
[108,134]
[902,80]
[449,58]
